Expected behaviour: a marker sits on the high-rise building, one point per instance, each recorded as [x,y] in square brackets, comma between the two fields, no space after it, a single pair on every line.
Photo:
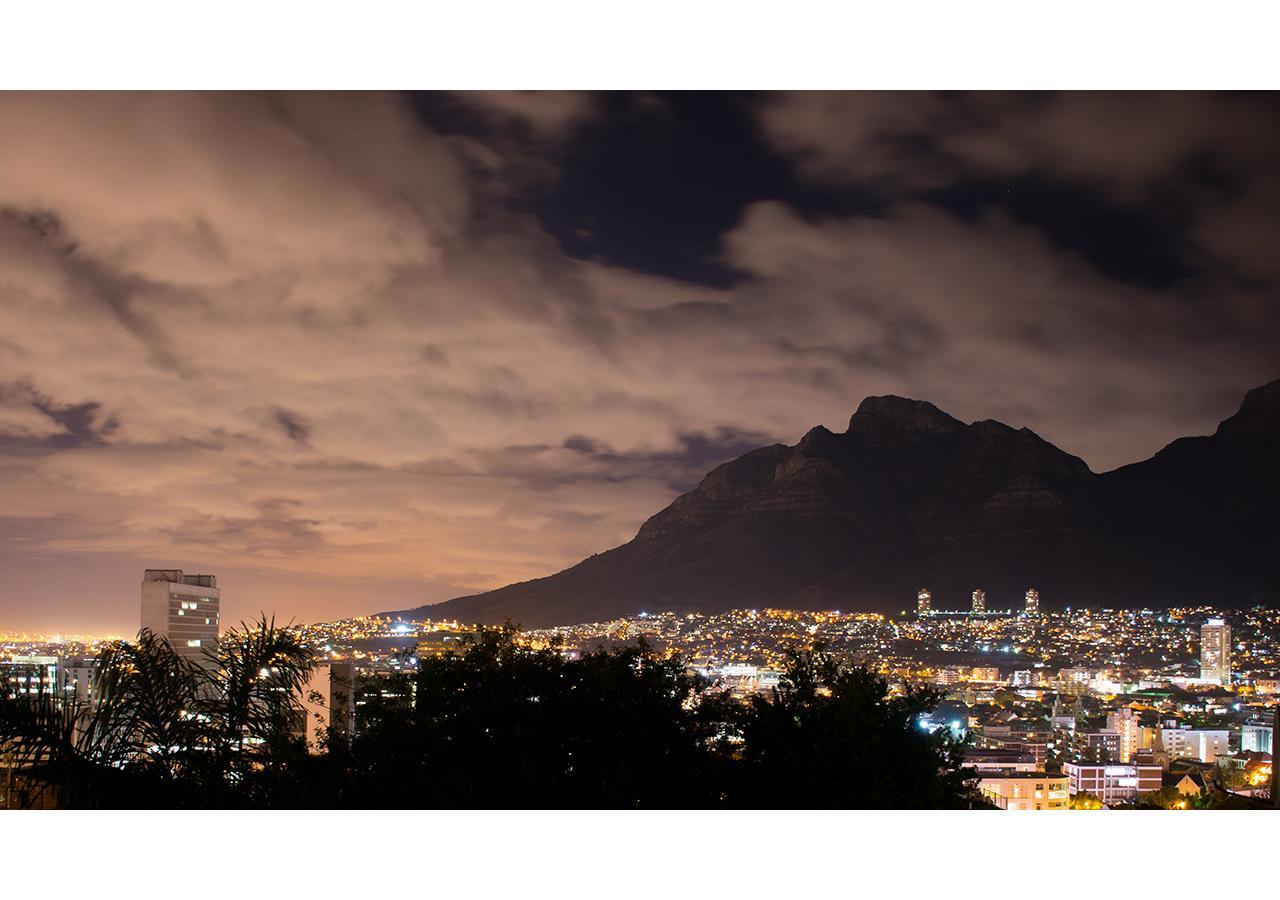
[924,602]
[183,609]
[1033,602]
[1215,652]
[979,600]
[1124,722]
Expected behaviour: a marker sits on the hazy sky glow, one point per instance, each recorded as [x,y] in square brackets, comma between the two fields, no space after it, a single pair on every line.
[357,352]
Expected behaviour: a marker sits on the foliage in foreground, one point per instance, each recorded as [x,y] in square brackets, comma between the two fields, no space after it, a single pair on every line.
[496,725]
[164,731]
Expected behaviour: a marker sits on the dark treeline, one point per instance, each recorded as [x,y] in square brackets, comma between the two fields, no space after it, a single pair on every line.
[496,724]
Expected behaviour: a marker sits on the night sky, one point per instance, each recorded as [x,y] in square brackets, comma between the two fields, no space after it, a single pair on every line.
[357,352]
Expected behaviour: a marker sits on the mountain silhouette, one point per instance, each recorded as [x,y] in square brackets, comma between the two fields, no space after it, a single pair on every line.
[910,497]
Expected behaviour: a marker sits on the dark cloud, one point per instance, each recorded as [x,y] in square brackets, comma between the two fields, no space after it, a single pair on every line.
[63,425]
[295,427]
[680,467]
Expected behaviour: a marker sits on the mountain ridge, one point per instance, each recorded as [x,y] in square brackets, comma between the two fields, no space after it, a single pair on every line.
[908,496]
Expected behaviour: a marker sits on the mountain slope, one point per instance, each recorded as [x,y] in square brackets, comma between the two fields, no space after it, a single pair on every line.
[908,497]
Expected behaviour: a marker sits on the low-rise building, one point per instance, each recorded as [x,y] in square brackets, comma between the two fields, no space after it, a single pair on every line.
[1204,744]
[26,674]
[999,760]
[1112,783]
[1025,790]
[1257,736]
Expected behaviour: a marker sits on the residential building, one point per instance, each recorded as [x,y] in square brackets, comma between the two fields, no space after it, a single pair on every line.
[1257,736]
[30,675]
[75,677]
[924,602]
[1112,783]
[1124,722]
[1025,790]
[985,674]
[1033,602]
[979,601]
[1203,744]
[996,760]
[1102,746]
[1215,652]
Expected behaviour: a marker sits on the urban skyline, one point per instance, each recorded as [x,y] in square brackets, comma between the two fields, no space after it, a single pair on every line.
[1062,709]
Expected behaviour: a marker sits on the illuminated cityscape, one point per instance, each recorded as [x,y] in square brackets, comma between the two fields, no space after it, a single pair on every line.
[1060,707]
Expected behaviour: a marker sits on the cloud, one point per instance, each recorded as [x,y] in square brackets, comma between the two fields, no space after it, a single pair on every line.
[1200,156]
[296,428]
[301,342]
[548,114]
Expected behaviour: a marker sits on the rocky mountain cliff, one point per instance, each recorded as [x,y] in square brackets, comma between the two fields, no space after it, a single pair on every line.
[910,497]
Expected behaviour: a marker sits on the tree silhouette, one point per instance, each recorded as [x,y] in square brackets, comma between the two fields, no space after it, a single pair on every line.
[496,723]
[833,737]
[160,730]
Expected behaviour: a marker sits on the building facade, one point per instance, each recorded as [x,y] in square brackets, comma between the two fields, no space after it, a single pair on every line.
[979,600]
[183,609]
[1033,602]
[38,675]
[1215,652]
[1112,783]
[1025,790]
[1257,736]
[924,602]
[1124,722]
[1203,744]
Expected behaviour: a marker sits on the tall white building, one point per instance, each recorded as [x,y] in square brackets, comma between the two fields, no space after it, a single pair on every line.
[328,702]
[1215,652]
[184,609]
[1033,602]
[979,600]
[924,602]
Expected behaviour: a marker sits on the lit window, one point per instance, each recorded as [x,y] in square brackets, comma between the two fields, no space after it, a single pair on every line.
[195,643]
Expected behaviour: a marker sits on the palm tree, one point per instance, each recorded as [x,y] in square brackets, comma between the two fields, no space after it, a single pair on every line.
[158,729]
[251,697]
